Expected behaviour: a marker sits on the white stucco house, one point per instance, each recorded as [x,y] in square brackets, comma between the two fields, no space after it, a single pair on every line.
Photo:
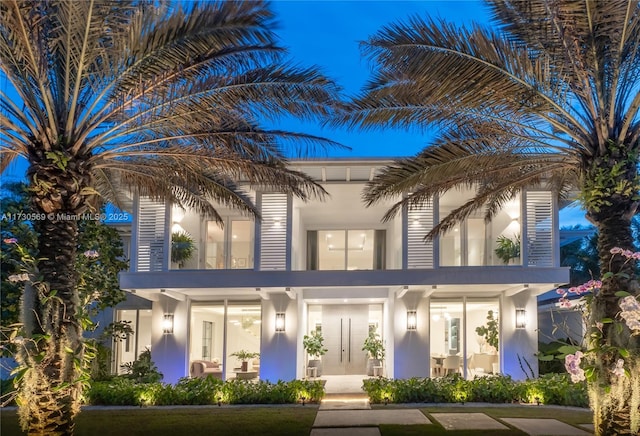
[333,266]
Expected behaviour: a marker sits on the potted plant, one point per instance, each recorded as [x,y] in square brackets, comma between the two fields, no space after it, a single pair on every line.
[182,247]
[244,356]
[374,346]
[489,331]
[508,248]
[313,345]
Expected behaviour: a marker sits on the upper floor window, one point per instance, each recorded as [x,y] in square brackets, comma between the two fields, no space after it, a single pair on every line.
[474,242]
[231,247]
[345,249]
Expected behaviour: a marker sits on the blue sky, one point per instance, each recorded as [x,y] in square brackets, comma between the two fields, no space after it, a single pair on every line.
[327,33]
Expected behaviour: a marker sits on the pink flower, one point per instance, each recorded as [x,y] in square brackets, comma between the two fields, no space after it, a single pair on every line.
[616,250]
[91,254]
[618,370]
[10,241]
[572,364]
[565,302]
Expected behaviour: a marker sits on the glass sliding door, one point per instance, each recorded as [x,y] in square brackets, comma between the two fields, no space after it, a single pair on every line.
[346,249]
[231,247]
[483,336]
[128,349]
[447,340]
[221,329]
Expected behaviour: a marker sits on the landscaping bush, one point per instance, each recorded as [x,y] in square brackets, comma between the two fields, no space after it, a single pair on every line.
[122,391]
[190,391]
[494,389]
[555,389]
[549,389]
[125,391]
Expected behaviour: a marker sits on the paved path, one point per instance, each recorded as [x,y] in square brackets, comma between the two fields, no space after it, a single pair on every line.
[353,416]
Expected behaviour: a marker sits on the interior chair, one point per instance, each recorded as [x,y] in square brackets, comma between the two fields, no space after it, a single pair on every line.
[451,364]
[436,368]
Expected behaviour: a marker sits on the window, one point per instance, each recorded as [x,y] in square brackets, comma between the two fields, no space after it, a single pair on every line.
[346,249]
[230,247]
[128,349]
[210,340]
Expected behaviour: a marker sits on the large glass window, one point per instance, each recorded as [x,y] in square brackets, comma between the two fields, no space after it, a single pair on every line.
[230,247]
[128,349]
[473,242]
[346,249]
[465,336]
[211,341]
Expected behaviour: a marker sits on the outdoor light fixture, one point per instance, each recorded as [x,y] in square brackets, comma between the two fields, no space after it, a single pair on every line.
[167,324]
[412,320]
[279,322]
[521,318]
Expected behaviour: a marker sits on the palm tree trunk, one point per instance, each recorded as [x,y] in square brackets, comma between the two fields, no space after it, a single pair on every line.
[614,399]
[49,396]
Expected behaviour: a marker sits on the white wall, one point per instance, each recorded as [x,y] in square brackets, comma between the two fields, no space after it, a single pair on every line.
[170,351]
[411,357]
[278,356]
[519,342]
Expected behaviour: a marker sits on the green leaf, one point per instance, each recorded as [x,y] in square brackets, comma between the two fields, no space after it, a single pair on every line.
[622,294]
[546,358]
[606,320]
[624,352]
[607,275]
[568,349]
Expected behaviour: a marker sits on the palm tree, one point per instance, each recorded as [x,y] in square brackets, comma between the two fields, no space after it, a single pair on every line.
[550,95]
[160,99]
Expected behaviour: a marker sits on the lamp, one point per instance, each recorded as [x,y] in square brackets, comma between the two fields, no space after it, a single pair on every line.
[412,320]
[167,324]
[521,318]
[279,322]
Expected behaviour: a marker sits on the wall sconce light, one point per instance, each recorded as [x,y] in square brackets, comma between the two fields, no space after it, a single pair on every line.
[167,324]
[412,320]
[521,318]
[279,322]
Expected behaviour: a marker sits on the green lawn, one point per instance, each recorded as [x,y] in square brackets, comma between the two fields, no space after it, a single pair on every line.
[192,421]
[269,421]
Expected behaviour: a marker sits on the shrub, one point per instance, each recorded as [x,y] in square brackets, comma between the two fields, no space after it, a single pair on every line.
[494,389]
[143,370]
[555,389]
[124,391]
[548,389]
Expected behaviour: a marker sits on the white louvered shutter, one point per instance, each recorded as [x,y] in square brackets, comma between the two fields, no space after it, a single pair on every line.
[273,232]
[539,207]
[151,224]
[419,251]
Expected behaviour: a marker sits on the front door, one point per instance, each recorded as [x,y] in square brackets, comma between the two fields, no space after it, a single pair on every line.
[345,327]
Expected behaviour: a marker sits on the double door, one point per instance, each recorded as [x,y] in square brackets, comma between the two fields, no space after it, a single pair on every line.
[345,327]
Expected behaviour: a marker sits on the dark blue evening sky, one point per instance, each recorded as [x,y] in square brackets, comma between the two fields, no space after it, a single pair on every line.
[328,33]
